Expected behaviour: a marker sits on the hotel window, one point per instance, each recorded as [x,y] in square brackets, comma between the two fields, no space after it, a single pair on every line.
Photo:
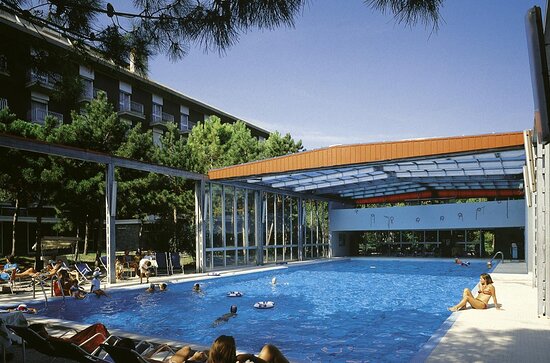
[184,124]
[157,112]
[184,118]
[124,101]
[157,135]
[87,88]
[39,111]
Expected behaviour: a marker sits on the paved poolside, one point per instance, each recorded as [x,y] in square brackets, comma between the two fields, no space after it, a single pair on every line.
[513,334]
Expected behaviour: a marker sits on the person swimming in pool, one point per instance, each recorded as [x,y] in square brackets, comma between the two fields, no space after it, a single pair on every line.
[485,292]
[225,317]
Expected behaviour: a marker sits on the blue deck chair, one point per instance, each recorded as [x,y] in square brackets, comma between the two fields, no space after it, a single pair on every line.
[175,263]
[84,272]
[162,262]
[103,261]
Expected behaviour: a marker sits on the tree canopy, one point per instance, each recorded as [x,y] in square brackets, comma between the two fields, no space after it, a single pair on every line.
[76,188]
[171,27]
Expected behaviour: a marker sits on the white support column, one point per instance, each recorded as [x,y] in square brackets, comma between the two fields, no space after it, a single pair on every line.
[110,221]
[540,248]
[261,214]
[546,229]
[224,231]
[301,222]
[200,232]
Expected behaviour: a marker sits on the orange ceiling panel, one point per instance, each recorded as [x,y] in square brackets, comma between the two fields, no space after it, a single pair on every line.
[343,155]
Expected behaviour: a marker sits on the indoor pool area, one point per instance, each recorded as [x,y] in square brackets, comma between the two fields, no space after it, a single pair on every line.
[359,309]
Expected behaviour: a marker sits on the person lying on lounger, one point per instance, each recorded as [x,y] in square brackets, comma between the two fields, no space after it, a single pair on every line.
[185,354]
[49,272]
[224,350]
[481,301]
[88,339]
[10,267]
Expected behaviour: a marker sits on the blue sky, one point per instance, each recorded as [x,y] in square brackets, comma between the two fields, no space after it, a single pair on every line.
[348,74]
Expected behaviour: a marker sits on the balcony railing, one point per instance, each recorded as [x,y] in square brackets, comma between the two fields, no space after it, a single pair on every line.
[38,115]
[162,119]
[186,126]
[132,106]
[3,103]
[45,79]
[167,117]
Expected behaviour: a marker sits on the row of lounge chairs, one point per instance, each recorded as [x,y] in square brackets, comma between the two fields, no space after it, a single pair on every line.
[168,263]
[97,348]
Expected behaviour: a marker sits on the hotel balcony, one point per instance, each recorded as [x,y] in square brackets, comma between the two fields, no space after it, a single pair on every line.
[161,120]
[38,115]
[41,80]
[132,110]
[185,127]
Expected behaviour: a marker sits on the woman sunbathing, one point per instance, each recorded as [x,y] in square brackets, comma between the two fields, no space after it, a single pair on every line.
[485,292]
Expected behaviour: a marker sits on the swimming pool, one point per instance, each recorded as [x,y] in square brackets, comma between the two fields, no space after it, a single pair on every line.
[354,310]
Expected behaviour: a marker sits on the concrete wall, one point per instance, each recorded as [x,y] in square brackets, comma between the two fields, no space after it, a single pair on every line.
[485,215]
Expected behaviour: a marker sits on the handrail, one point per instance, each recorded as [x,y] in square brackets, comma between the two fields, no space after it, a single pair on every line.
[501,256]
[41,282]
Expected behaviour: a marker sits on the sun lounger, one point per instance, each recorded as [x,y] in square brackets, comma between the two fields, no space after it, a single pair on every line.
[162,264]
[175,264]
[33,340]
[66,349]
[121,354]
[84,272]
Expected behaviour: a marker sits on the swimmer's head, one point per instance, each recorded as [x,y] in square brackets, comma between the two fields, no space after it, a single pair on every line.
[233,309]
[274,280]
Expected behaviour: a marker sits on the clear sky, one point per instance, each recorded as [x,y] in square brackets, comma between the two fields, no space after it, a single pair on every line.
[348,74]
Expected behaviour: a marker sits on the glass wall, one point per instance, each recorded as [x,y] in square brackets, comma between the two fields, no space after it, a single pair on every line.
[441,243]
[247,227]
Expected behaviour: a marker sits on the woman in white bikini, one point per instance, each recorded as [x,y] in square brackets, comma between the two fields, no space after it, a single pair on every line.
[485,292]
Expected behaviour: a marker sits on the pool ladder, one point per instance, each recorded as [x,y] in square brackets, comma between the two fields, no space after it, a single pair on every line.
[501,257]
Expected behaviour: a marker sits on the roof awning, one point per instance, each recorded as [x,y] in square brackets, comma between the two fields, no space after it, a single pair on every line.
[357,173]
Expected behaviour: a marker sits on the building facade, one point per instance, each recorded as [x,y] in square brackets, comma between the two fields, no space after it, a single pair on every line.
[42,73]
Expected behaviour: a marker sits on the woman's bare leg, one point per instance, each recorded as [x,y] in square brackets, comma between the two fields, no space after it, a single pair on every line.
[27,272]
[272,354]
[467,297]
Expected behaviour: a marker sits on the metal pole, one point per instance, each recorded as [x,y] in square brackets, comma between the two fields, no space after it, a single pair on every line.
[110,221]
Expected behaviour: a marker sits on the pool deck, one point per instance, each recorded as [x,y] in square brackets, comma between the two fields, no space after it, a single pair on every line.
[513,334]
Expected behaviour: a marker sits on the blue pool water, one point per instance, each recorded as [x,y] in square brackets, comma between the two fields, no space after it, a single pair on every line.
[358,310]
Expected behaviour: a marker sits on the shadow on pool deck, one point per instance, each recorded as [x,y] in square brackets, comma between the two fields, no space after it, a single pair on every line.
[513,334]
